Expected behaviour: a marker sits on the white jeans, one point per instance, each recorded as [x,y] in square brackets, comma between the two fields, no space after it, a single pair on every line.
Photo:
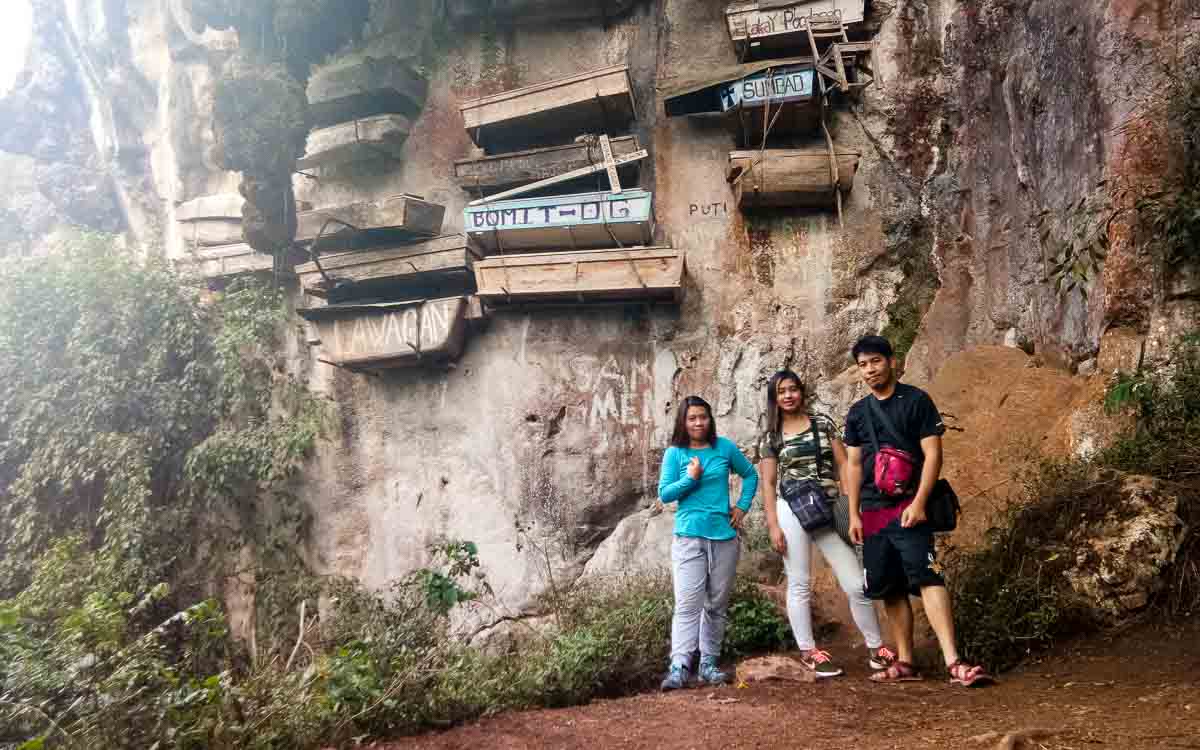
[703,571]
[842,559]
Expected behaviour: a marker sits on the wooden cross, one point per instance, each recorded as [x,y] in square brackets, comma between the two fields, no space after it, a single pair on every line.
[609,164]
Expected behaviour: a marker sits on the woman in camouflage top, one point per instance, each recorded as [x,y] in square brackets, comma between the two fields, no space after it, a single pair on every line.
[788,452]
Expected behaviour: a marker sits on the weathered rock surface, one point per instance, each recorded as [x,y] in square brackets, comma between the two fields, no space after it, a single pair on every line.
[542,444]
[1121,555]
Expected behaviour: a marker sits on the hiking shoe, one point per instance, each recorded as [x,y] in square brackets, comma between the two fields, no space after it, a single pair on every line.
[676,679]
[710,673]
[820,662]
[881,658]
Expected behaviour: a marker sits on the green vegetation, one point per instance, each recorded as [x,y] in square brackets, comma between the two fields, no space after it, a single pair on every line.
[755,622]
[149,443]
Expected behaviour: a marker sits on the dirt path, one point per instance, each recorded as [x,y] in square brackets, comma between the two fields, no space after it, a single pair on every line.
[1139,690]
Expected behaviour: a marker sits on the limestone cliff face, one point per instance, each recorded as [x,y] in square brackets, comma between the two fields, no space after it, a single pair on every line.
[545,436]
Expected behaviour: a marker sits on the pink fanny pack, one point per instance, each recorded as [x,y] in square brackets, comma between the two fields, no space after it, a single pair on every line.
[895,471]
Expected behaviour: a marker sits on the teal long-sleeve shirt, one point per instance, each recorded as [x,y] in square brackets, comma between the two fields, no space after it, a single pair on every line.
[704,502]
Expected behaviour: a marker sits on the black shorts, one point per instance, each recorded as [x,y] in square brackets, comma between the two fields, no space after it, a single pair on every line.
[897,561]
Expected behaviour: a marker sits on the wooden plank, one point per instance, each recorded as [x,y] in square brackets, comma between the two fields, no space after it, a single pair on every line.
[391,335]
[211,232]
[436,259]
[789,177]
[370,138]
[231,260]
[363,87]
[583,220]
[643,273]
[595,101]
[772,26]
[609,165]
[503,171]
[218,206]
[798,118]
[391,219]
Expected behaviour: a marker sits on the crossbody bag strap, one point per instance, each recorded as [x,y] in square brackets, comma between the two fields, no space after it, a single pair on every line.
[816,431]
[878,411]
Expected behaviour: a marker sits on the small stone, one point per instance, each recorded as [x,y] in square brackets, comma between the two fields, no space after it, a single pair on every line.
[774,668]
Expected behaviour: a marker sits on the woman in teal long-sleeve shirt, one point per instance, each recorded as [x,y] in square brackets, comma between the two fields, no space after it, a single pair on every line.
[704,553]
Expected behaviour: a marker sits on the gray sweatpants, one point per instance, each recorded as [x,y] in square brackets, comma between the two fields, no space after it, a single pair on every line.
[703,571]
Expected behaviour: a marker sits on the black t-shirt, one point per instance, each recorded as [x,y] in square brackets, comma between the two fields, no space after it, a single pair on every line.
[912,412]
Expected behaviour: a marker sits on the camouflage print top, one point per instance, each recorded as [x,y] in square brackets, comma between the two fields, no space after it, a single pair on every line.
[797,457]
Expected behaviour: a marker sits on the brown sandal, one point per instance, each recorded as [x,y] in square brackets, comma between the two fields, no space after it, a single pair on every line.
[967,675]
[899,671]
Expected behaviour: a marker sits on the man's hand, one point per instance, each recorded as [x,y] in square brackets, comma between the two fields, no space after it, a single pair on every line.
[778,540]
[694,470]
[913,515]
[736,516]
[856,529]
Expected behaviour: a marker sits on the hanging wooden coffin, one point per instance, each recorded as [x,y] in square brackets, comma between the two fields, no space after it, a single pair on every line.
[401,218]
[782,91]
[503,171]
[651,273]
[211,220]
[231,260]
[352,89]
[370,138]
[563,222]
[598,101]
[773,28]
[390,334]
[435,262]
[790,177]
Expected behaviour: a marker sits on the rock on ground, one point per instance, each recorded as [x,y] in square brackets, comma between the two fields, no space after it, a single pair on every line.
[778,668]
[1121,556]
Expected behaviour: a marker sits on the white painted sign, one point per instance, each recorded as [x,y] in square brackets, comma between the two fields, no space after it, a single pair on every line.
[390,335]
[748,21]
[780,86]
[569,210]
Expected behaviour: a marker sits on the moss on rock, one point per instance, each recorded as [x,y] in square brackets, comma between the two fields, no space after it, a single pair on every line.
[261,118]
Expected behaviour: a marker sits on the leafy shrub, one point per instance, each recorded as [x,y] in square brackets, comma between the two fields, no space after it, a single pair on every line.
[755,622]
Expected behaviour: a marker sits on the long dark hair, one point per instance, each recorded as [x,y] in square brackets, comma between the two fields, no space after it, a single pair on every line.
[679,437]
[774,413]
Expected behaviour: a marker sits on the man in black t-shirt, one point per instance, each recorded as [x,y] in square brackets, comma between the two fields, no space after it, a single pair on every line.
[898,549]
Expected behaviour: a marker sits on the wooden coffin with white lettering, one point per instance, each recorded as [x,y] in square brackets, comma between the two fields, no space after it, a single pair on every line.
[390,334]
[231,260]
[370,138]
[503,171]
[598,101]
[783,91]
[775,28]
[211,220]
[401,218]
[649,273]
[790,177]
[563,222]
[436,262]
[355,88]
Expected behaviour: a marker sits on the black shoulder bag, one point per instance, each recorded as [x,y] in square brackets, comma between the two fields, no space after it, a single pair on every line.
[806,497]
[942,508]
